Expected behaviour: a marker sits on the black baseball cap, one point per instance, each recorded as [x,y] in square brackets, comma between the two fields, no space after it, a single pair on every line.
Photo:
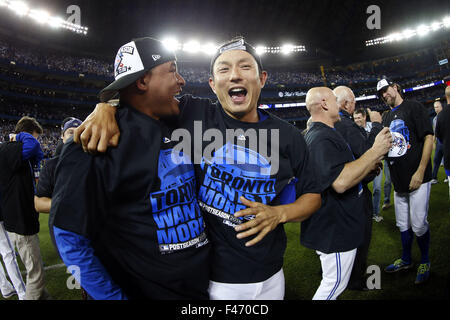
[236,44]
[133,60]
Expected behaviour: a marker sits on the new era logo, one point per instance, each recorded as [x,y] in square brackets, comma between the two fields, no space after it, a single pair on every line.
[155,57]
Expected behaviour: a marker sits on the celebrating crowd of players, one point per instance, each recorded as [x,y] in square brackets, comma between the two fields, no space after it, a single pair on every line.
[146,220]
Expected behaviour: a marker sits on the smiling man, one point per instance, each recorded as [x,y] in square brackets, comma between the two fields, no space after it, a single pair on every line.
[241,191]
[238,89]
[129,218]
[410,168]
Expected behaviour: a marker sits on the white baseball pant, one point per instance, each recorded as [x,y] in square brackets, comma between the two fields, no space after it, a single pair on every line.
[270,289]
[336,270]
[10,261]
[411,209]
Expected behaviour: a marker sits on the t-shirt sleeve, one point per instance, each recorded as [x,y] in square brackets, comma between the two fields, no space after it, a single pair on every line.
[422,121]
[31,149]
[45,186]
[359,141]
[79,200]
[191,106]
[306,181]
[329,159]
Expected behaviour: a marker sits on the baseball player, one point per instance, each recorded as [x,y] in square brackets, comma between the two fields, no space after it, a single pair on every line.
[243,192]
[338,229]
[410,168]
[129,219]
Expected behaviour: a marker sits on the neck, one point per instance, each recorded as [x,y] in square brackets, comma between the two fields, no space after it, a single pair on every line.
[325,120]
[251,116]
[141,105]
[398,101]
[343,109]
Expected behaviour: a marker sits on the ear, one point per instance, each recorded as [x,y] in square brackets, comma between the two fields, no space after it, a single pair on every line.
[347,106]
[142,82]
[324,105]
[212,85]
[263,78]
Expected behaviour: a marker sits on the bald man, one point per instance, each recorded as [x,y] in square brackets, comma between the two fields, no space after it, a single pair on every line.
[359,143]
[336,230]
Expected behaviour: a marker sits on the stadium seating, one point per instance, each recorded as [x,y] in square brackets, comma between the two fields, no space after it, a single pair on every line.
[50,85]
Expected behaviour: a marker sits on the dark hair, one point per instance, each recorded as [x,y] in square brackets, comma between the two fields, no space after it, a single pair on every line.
[399,89]
[240,43]
[28,124]
[361,111]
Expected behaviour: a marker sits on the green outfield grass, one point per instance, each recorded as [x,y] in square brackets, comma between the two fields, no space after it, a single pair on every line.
[302,266]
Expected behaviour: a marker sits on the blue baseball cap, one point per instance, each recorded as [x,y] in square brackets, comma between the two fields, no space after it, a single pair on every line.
[72,123]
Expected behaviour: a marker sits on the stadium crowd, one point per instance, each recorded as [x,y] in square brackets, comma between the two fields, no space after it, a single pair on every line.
[397,67]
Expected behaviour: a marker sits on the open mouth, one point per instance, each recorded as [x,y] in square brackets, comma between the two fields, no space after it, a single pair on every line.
[177,95]
[238,94]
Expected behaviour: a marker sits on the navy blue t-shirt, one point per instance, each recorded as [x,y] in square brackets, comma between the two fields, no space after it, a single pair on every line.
[338,225]
[411,123]
[138,207]
[232,159]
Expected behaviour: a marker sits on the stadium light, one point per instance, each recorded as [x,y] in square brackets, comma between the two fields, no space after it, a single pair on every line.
[287,49]
[209,48]
[420,31]
[171,44]
[260,50]
[55,22]
[435,26]
[192,46]
[19,7]
[41,16]
[446,22]
[408,33]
